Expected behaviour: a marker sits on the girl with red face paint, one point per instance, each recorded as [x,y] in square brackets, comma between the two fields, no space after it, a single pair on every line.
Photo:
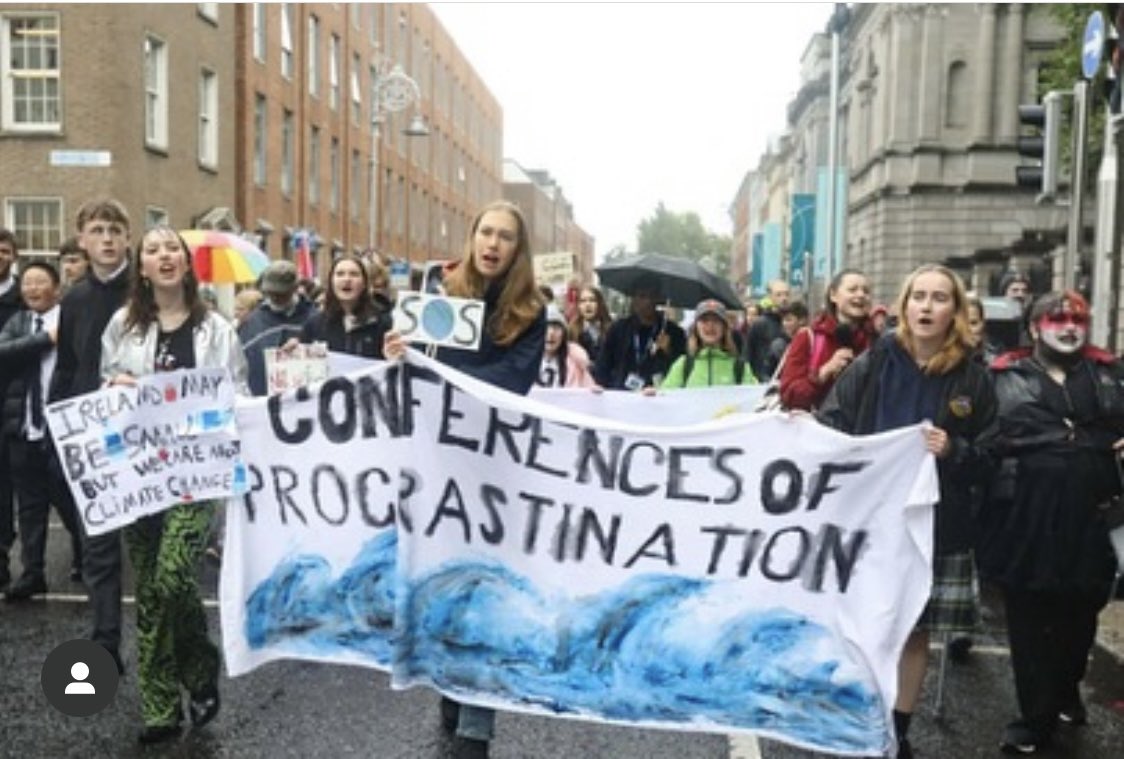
[1045,543]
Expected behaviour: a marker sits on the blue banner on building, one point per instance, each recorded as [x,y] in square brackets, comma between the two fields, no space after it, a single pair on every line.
[802,236]
[773,232]
[822,215]
[757,270]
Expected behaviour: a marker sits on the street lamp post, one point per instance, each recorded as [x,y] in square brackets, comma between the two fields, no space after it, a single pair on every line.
[393,91]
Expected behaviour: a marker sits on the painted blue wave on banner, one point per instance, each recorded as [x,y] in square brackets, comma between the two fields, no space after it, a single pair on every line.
[301,607]
[639,652]
[649,650]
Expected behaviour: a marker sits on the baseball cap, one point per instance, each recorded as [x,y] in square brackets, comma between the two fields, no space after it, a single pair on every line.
[710,306]
[279,278]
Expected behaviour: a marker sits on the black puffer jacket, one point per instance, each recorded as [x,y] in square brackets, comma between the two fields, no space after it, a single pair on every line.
[363,339]
[1042,528]
[966,412]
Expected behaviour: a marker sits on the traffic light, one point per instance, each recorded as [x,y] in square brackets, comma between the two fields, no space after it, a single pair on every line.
[1043,146]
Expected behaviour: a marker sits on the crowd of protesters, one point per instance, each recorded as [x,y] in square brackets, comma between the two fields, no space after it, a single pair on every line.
[1027,436]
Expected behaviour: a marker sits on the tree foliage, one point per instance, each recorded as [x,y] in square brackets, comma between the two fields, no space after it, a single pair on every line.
[683,235]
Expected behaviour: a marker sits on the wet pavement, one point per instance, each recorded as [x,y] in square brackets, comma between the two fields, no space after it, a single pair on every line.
[297,709]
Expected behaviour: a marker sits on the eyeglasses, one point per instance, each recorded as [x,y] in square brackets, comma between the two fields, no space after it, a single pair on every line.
[1061,318]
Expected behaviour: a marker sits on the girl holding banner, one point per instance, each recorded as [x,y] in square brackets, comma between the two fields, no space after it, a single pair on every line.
[165,326]
[351,322]
[496,268]
[924,372]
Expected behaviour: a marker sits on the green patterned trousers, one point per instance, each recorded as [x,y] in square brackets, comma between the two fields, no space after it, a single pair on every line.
[172,644]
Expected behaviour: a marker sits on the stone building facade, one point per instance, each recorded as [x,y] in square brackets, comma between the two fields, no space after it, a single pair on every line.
[928,122]
[930,106]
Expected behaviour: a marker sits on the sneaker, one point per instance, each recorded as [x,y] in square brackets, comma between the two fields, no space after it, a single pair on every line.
[469,748]
[1021,739]
[1074,715]
[158,734]
[25,588]
[204,706]
[959,648]
[450,714]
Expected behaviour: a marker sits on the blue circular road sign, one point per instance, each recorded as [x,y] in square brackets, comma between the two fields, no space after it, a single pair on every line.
[1092,47]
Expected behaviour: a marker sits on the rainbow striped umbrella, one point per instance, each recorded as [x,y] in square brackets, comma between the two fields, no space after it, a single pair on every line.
[224,258]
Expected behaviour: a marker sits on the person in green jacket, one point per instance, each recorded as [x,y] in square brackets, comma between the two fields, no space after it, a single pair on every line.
[712,358]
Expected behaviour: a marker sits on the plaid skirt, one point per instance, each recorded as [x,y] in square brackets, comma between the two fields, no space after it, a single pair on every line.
[954,602]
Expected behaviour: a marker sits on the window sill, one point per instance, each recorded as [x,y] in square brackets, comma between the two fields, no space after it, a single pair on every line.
[160,150]
[210,168]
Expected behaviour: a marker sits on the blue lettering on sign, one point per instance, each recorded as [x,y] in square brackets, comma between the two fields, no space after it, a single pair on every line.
[239,485]
[213,419]
[114,445]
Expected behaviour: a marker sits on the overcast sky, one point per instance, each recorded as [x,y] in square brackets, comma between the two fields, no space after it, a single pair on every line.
[630,104]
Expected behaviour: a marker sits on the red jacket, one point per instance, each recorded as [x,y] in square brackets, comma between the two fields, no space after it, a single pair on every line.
[811,348]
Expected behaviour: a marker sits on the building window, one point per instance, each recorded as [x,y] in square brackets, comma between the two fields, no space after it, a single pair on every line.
[354,191]
[355,9]
[314,56]
[287,40]
[334,168]
[259,31]
[155,216]
[209,11]
[957,105]
[259,140]
[287,153]
[155,93]
[375,11]
[356,96]
[314,166]
[208,119]
[29,70]
[334,73]
[36,223]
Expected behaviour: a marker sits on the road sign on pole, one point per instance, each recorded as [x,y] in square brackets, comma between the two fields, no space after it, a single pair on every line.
[1092,46]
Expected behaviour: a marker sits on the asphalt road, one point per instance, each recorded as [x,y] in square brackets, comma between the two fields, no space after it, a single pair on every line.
[296,709]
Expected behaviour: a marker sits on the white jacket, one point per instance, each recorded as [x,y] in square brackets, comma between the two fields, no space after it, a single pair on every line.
[131,352]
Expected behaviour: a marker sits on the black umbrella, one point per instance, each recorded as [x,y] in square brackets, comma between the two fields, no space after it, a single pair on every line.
[683,283]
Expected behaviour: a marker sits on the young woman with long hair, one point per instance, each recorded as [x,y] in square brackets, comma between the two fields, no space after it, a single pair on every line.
[496,268]
[165,326]
[591,322]
[351,321]
[924,371]
[816,357]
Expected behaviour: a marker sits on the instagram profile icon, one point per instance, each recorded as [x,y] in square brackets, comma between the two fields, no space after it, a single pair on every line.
[79,678]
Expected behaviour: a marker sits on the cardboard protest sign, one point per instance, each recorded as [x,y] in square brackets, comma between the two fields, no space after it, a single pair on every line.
[130,452]
[553,268]
[303,364]
[754,573]
[439,320]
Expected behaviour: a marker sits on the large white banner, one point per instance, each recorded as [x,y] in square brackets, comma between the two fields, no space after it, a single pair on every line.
[668,408]
[132,451]
[753,573]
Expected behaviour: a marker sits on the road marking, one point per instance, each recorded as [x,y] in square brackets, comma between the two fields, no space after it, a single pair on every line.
[81,598]
[744,747]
